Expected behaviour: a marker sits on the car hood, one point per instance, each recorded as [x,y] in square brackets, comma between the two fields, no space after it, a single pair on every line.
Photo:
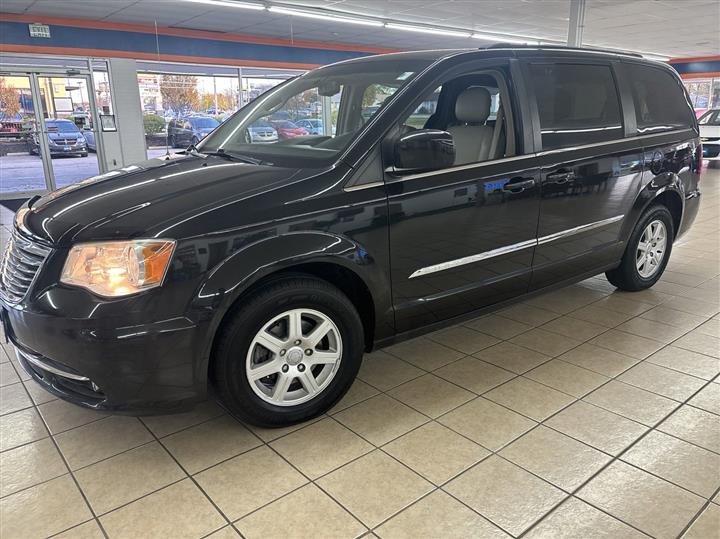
[54,135]
[710,130]
[171,197]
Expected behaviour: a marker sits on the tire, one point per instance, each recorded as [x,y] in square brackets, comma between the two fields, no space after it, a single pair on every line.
[238,352]
[634,274]
[171,141]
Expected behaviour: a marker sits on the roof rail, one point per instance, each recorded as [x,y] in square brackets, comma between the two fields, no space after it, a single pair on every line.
[559,47]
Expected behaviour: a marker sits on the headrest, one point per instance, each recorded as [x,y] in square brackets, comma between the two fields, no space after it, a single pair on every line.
[473,105]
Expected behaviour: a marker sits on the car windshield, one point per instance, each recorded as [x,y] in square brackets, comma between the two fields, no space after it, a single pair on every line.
[340,94]
[711,117]
[203,123]
[63,126]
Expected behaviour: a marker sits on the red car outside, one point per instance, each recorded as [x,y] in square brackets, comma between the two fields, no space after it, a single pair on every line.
[287,130]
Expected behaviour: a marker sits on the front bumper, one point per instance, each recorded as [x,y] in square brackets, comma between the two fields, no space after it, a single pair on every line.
[103,364]
[711,151]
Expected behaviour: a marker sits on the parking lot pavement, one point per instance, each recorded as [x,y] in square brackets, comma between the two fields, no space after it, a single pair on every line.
[24,172]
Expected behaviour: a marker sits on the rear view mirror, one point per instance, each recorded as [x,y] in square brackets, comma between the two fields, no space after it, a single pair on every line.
[329,88]
[424,150]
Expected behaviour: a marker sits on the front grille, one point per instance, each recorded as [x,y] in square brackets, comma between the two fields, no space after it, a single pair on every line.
[19,266]
[66,141]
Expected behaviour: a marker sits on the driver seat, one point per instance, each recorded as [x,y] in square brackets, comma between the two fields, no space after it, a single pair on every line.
[472,138]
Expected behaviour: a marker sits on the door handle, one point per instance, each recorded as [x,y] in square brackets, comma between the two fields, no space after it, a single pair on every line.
[518,185]
[561,177]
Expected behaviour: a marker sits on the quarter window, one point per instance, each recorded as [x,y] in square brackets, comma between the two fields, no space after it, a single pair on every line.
[577,104]
[660,101]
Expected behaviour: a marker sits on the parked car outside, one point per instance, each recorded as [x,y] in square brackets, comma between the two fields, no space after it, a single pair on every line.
[314,126]
[287,129]
[64,139]
[262,132]
[710,134]
[189,130]
[266,270]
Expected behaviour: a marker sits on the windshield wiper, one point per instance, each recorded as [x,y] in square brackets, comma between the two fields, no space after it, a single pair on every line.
[221,152]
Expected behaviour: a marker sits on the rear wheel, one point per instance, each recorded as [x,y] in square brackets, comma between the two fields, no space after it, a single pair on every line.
[647,252]
[288,353]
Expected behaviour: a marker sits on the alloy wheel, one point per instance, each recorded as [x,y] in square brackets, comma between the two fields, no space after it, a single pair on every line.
[651,249]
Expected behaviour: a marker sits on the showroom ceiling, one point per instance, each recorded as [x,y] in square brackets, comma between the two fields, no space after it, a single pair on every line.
[668,28]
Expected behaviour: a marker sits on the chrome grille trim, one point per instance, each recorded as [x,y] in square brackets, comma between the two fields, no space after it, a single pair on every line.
[20,265]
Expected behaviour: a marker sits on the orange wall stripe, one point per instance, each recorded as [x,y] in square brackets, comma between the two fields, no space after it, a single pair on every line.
[694,59]
[700,75]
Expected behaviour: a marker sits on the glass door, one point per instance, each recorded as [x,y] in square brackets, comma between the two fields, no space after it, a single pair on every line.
[24,165]
[69,127]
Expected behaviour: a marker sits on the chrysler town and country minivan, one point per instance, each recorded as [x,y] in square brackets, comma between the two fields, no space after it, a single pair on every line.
[265,271]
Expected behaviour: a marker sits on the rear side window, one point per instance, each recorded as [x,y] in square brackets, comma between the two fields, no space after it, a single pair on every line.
[660,102]
[578,104]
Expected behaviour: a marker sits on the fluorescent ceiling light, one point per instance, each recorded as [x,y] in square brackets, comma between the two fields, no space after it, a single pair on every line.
[516,40]
[323,16]
[229,3]
[427,30]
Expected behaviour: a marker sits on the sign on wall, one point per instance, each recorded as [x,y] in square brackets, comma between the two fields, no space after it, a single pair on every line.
[39,30]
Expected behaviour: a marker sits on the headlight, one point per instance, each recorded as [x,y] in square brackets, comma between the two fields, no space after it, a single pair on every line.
[118,268]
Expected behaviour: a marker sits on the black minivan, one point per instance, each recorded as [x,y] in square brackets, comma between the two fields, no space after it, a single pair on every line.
[265,271]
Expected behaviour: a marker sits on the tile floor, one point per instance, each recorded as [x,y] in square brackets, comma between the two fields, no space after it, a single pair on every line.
[582,413]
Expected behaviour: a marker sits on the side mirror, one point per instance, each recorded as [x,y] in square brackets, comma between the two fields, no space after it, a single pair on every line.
[424,150]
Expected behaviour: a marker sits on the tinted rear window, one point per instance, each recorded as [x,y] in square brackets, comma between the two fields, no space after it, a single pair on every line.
[578,104]
[660,102]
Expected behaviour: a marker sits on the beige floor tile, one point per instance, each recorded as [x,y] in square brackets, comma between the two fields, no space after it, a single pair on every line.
[711,327]
[374,487]
[487,423]
[686,361]
[431,395]
[463,339]
[567,299]
[132,474]
[162,425]
[101,439]
[512,357]
[625,305]
[358,392]
[695,426]
[43,510]
[21,372]
[383,371]
[684,464]
[37,393]
[632,402]
[598,359]
[328,518]
[564,462]
[249,481]
[597,427]
[7,374]
[61,415]
[700,343]
[87,530]
[644,501]
[321,447]
[672,317]
[380,419]
[498,326]
[436,452]
[20,428]
[527,314]
[575,519]
[29,465]
[600,316]
[707,524]
[14,398]
[180,510]
[567,377]
[267,435]
[529,398]
[708,399]
[658,331]
[439,516]
[627,344]
[692,306]
[474,374]
[507,495]
[668,383]
[208,443]
[649,295]
[228,532]
[426,354]
[574,328]
[546,342]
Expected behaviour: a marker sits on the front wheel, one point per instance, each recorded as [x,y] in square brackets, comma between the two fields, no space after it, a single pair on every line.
[647,252]
[288,353]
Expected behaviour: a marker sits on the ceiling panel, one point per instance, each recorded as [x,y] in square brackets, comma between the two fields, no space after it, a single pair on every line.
[674,28]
